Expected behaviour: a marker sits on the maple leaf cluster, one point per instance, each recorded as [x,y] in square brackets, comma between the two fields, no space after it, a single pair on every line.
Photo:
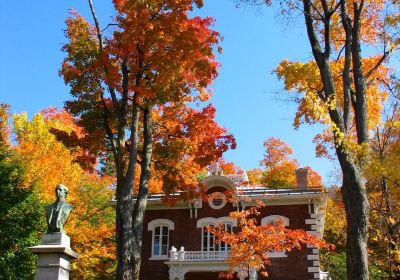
[252,242]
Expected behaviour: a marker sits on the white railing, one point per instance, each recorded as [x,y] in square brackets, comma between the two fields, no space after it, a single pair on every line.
[197,256]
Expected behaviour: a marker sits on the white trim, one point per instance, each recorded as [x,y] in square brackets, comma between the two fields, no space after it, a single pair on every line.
[311,221]
[312,257]
[177,270]
[159,258]
[214,221]
[273,218]
[217,181]
[275,254]
[216,195]
[313,269]
[278,199]
[161,222]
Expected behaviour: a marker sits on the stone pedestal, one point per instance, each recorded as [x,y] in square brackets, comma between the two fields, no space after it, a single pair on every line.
[54,255]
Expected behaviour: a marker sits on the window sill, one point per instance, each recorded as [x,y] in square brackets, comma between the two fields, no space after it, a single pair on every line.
[159,258]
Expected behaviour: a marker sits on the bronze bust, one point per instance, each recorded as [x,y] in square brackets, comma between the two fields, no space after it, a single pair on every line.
[58,212]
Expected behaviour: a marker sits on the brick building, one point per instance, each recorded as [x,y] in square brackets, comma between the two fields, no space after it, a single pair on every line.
[182,226]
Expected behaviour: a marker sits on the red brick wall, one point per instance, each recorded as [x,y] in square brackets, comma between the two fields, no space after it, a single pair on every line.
[186,233]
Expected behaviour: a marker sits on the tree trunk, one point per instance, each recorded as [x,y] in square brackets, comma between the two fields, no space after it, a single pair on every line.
[124,240]
[353,188]
[141,201]
[357,213]
[125,203]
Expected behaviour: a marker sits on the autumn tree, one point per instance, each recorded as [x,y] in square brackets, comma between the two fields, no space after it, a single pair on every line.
[279,167]
[383,191]
[48,162]
[20,213]
[186,141]
[341,87]
[152,55]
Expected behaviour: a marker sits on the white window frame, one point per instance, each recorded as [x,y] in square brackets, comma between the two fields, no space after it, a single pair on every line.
[210,235]
[151,226]
[270,219]
[222,245]
[210,221]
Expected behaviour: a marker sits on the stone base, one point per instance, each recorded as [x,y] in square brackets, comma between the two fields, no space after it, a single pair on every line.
[54,255]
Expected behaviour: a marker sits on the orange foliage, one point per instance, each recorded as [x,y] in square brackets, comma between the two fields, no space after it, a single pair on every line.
[186,140]
[229,167]
[280,167]
[251,244]
[48,163]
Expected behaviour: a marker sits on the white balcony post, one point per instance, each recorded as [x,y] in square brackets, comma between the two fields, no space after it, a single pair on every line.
[253,273]
[181,254]
[173,255]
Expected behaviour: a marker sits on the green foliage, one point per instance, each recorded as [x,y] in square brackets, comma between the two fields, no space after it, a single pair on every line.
[21,220]
[337,268]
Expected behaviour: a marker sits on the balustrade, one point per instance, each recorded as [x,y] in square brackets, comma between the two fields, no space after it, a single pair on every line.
[197,256]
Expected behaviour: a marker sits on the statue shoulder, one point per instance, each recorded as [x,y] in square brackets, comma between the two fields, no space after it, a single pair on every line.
[49,207]
[68,206]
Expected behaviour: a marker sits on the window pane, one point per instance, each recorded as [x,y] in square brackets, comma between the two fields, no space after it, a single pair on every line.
[164,249]
[164,240]
[217,201]
[211,242]
[157,231]
[156,250]
[205,243]
[164,231]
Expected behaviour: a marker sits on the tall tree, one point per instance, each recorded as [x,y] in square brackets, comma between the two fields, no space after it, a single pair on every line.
[152,54]
[280,166]
[341,88]
[384,193]
[20,217]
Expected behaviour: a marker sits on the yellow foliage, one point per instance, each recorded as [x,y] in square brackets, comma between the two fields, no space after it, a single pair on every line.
[49,162]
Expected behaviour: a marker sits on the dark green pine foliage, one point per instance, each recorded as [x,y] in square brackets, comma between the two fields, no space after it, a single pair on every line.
[21,220]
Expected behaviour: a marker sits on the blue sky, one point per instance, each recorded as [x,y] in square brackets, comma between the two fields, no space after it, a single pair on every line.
[246,93]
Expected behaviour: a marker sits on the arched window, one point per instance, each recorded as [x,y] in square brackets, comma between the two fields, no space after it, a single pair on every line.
[208,238]
[270,219]
[160,237]
[273,218]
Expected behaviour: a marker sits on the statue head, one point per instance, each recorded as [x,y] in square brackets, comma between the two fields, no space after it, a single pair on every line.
[61,192]
[58,212]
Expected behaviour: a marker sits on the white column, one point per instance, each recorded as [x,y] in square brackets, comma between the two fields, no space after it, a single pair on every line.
[54,255]
[176,272]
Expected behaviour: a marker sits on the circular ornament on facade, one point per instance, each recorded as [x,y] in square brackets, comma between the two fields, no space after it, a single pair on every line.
[217,200]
